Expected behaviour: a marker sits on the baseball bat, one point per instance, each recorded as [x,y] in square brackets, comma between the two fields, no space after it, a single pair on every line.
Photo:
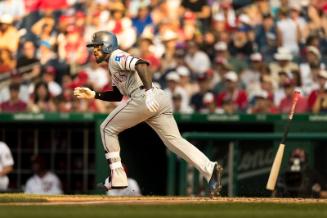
[280,152]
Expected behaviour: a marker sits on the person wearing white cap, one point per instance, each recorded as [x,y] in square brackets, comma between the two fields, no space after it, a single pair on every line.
[313,96]
[185,82]
[173,88]
[209,103]
[262,104]
[283,62]
[310,68]
[233,92]
[9,36]
[169,40]
[251,76]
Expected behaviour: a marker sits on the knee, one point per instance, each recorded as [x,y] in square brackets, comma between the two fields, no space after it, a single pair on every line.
[102,126]
[106,128]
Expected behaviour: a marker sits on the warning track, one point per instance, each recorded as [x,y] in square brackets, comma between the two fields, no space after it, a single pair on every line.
[22,199]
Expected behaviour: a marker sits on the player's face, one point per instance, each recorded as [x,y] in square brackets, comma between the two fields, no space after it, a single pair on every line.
[98,54]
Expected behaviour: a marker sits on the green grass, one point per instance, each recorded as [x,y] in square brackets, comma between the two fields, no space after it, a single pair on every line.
[221,210]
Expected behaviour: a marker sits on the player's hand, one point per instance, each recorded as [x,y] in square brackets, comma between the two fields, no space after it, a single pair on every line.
[84,93]
[150,101]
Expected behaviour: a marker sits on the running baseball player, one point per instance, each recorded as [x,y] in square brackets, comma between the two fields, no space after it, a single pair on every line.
[131,77]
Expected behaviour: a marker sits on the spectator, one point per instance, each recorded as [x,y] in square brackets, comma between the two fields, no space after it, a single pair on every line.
[7,62]
[49,76]
[13,8]
[204,80]
[241,46]
[142,19]
[322,79]
[221,67]
[283,63]
[250,77]
[9,36]
[197,60]
[6,166]
[232,93]
[320,105]
[288,32]
[44,28]
[262,104]
[201,10]
[41,100]
[15,78]
[189,28]
[266,37]
[97,76]
[173,88]
[147,50]
[286,102]
[27,63]
[310,69]
[178,106]
[209,104]
[72,48]
[14,104]
[185,80]
[121,25]
[169,39]
[43,181]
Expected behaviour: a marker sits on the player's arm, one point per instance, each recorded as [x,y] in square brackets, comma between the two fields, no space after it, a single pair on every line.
[144,73]
[86,93]
[113,95]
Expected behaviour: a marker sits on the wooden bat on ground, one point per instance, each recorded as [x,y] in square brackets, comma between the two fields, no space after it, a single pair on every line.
[279,155]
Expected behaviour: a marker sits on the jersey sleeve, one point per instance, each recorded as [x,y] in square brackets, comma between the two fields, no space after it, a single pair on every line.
[5,155]
[127,62]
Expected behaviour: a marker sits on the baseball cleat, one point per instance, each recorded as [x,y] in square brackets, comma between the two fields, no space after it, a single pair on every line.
[107,185]
[215,181]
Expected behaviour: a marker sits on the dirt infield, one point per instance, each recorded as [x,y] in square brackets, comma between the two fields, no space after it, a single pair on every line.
[22,199]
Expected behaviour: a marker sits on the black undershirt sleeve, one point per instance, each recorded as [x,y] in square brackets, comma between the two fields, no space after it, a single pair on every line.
[113,95]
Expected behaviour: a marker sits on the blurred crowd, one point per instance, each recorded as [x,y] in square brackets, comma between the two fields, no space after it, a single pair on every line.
[212,56]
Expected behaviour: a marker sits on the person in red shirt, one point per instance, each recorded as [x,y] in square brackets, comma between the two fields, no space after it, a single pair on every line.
[286,102]
[322,79]
[262,104]
[14,104]
[145,43]
[233,92]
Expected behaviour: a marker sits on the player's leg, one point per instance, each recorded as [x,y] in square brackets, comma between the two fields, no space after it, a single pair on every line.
[165,126]
[123,117]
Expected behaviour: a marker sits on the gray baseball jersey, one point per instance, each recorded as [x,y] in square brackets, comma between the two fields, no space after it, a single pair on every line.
[134,111]
[123,74]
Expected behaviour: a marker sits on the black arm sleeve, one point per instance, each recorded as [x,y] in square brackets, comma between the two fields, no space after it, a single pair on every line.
[113,95]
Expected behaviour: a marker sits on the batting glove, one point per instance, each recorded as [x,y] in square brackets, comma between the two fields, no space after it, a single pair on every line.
[84,93]
[150,101]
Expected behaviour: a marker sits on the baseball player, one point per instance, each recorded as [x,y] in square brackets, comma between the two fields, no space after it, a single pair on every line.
[131,77]
[6,165]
